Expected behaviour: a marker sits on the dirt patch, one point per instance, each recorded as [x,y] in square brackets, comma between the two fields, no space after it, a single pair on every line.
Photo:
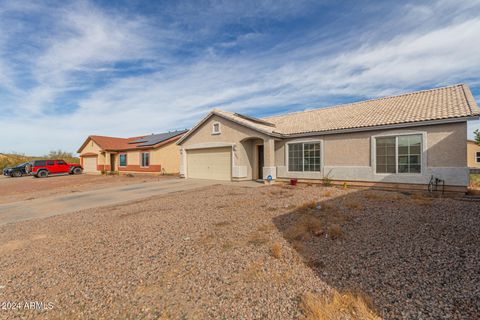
[29,188]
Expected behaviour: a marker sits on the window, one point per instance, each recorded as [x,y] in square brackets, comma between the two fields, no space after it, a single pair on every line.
[216,128]
[478,157]
[61,162]
[402,154]
[304,157]
[123,160]
[50,163]
[145,159]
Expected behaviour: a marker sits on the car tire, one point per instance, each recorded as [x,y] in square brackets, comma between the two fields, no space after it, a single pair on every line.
[42,174]
[77,170]
[16,174]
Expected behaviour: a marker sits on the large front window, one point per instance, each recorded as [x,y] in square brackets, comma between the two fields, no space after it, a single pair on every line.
[399,154]
[145,159]
[304,157]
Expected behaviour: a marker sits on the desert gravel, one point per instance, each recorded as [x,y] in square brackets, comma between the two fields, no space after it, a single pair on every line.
[206,254]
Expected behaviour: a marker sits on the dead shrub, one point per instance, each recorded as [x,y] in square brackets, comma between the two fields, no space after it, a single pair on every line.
[327,194]
[253,271]
[276,250]
[335,231]
[373,196]
[303,226]
[307,206]
[346,306]
[355,205]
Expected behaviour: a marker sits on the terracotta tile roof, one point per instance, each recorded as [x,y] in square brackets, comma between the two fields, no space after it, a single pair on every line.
[122,144]
[435,104]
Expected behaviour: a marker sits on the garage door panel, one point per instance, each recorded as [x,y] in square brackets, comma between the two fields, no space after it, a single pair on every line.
[212,163]
[90,164]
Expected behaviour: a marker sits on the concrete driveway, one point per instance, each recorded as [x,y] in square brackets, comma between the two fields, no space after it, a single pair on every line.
[66,203]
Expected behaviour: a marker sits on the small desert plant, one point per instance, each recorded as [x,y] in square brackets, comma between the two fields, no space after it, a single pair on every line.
[335,231]
[346,306]
[310,205]
[257,239]
[421,199]
[276,250]
[327,181]
[327,194]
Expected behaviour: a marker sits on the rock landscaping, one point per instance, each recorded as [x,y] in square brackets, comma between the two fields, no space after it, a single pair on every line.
[228,252]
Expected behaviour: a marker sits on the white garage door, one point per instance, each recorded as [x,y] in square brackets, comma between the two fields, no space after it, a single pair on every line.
[90,164]
[212,163]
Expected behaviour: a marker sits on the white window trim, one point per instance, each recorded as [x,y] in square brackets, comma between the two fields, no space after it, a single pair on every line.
[120,162]
[423,146]
[219,128]
[303,141]
[141,159]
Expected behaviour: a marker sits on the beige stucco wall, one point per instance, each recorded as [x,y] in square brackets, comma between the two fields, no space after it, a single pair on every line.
[92,147]
[244,139]
[445,146]
[168,156]
[472,149]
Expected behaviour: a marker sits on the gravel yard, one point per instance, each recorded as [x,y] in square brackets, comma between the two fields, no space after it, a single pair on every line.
[28,188]
[228,252]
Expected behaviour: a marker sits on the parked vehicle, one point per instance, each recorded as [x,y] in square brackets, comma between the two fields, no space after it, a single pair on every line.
[44,168]
[18,171]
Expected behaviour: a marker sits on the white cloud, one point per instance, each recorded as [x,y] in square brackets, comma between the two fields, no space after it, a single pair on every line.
[181,91]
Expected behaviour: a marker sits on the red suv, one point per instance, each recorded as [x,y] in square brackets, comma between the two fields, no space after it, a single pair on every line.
[43,168]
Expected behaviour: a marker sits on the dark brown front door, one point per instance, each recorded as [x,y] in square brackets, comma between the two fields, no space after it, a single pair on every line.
[260,162]
[112,162]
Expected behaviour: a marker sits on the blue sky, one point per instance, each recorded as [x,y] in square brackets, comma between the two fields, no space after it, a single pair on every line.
[126,68]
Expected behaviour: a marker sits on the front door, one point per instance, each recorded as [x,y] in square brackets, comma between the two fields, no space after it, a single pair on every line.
[112,162]
[260,162]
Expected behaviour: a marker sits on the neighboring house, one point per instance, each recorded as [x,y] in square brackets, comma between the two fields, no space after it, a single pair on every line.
[398,141]
[155,153]
[473,154]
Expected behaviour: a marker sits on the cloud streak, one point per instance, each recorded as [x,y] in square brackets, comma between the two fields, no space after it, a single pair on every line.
[127,74]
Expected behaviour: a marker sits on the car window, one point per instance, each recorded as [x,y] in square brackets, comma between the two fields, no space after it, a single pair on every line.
[39,163]
[50,162]
[61,162]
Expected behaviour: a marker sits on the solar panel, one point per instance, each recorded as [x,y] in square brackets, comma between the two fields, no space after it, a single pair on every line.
[154,139]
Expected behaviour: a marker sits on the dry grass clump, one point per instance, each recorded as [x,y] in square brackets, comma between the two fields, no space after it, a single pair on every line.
[373,196]
[303,226]
[276,250]
[253,271]
[327,194]
[335,231]
[421,199]
[339,306]
[355,205]
[310,205]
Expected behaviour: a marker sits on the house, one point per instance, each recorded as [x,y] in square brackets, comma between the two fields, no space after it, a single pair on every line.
[155,153]
[473,154]
[398,141]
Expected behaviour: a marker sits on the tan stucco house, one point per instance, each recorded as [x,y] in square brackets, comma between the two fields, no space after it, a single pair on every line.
[155,153]
[473,154]
[398,141]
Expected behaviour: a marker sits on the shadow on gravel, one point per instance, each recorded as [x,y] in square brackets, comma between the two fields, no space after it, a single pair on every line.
[414,256]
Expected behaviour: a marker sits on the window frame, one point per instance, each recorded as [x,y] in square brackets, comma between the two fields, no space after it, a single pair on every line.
[477,156]
[141,159]
[120,160]
[303,143]
[423,155]
[219,131]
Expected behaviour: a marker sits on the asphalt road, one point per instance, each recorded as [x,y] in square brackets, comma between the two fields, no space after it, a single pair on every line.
[66,203]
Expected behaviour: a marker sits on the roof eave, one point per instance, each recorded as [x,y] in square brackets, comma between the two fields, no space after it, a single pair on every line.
[212,113]
[383,127]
